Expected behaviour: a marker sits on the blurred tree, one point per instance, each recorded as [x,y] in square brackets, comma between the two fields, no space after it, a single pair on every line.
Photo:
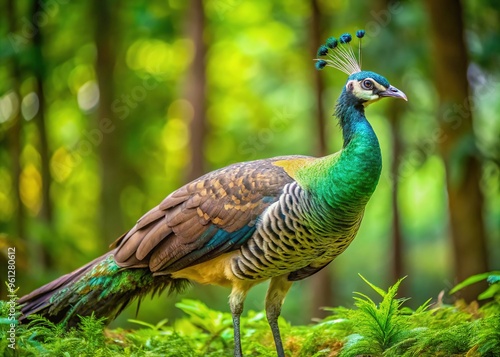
[15,130]
[316,26]
[13,147]
[457,143]
[394,113]
[39,71]
[114,175]
[195,89]
[321,282]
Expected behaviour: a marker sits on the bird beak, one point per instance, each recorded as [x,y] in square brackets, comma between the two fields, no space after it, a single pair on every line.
[393,92]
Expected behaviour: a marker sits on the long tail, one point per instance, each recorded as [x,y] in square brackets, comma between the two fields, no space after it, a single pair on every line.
[100,287]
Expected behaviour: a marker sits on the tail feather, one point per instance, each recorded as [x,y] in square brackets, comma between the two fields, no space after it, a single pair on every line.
[100,287]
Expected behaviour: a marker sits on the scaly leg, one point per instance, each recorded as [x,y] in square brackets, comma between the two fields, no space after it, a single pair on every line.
[276,293]
[236,300]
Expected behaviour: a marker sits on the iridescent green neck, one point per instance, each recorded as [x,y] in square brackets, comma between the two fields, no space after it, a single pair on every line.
[347,179]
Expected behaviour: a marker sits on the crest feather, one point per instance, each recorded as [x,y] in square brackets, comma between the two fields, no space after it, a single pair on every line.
[340,54]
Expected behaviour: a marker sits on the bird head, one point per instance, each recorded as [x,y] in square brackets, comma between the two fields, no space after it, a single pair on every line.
[364,87]
[368,87]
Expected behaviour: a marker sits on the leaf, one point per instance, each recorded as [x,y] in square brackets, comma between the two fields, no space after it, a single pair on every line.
[425,306]
[202,317]
[142,323]
[472,280]
[377,289]
[490,292]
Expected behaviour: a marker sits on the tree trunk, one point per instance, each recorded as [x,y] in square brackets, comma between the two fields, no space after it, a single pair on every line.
[457,144]
[316,41]
[13,145]
[15,131]
[394,114]
[195,89]
[323,281]
[45,213]
[113,173]
[395,111]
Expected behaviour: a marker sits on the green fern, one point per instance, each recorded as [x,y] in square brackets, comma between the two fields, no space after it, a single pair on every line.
[459,330]
[378,327]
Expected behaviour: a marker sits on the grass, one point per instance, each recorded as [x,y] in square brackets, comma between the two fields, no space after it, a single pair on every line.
[386,328]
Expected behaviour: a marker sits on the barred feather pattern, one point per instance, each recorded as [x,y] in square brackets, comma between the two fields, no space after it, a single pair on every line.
[295,232]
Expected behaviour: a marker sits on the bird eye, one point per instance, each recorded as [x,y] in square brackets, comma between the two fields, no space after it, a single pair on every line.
[367,84]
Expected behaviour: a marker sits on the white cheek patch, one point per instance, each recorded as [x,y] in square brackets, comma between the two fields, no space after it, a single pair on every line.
[359,92]
[367,95]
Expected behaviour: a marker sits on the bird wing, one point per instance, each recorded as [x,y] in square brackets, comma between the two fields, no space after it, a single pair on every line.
[205,218]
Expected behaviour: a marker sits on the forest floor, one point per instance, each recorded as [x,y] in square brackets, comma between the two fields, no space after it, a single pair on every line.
[386,328]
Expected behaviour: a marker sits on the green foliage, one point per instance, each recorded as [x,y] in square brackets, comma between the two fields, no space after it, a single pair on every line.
[493,291]
[41,337]
[376,328]
[389,329]
[384,329]
[487,336]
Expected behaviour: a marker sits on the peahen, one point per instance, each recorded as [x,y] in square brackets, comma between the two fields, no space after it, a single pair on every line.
[283,219]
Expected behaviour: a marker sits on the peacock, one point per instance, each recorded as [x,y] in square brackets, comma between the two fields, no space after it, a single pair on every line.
[283,219]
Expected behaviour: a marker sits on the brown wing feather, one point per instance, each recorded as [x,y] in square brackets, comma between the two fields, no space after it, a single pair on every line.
[184,222]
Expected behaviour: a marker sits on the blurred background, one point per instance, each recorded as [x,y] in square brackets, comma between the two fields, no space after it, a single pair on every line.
[108,106]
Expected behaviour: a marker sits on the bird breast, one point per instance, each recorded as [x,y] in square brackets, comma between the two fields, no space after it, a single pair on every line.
[294,232]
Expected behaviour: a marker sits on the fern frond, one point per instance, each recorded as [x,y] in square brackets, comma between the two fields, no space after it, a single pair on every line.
[377,327]
[380,291]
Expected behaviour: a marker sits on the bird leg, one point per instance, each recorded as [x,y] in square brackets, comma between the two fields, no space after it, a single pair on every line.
[276,293]
[236,300]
